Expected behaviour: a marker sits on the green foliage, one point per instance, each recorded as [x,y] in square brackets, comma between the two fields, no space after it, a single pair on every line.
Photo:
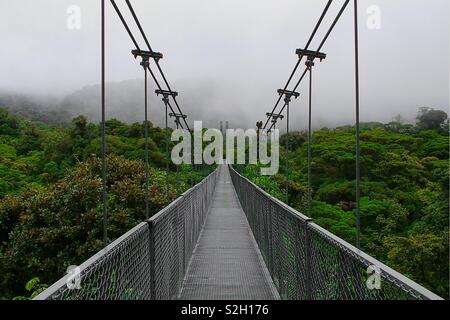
[32,153]
[423,257]
[34,287]
[334,219]
[9,124]
[10,180]
[295,140]
[431,119]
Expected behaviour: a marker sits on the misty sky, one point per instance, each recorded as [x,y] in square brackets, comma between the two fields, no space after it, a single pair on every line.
[229,56]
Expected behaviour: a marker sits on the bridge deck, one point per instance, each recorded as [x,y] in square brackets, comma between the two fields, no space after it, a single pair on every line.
[227,263]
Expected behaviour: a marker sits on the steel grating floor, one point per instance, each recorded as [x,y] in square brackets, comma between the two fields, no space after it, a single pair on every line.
[227,264]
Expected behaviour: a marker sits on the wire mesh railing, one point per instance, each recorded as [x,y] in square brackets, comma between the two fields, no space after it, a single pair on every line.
[148,262]
[306,262]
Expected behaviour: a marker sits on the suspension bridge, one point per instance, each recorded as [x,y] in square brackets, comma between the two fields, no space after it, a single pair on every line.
[226,238]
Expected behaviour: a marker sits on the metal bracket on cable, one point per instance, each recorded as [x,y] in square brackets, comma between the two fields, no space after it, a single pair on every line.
[177,117]
[166,94]
[274,116]
[288,95]
[147,55]
[311,54]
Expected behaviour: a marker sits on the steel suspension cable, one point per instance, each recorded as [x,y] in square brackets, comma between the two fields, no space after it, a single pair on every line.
[133,13]
[136,19]
[316,28]
[127,28]
[133,39]
[125,24]
[358,144]
[103,131]
[338,17]
[333,25]
[324,40]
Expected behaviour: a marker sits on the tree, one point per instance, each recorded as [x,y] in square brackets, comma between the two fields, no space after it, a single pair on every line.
[51,229]
[422,257]
[295,140]
[430,119]
[34,288]
[29,140]
[9,124]
[335,220]
[81,134]
[79,126]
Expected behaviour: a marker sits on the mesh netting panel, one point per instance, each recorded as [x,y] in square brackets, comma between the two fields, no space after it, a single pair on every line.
[167,232]
[307,262]
[341,274]
[120,272]
[280,235]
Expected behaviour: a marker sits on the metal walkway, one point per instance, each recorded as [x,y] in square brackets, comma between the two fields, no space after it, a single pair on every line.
[226,263]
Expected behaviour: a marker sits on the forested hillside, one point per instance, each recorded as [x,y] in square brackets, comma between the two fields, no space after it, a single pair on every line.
[405,191]
[50,187]
[50,191]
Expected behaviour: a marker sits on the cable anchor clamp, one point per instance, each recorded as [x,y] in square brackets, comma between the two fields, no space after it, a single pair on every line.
[166,94]
[146,56]
[288,95]
[274,116]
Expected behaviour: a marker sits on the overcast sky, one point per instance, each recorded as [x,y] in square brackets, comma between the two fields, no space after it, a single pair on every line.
[237,53]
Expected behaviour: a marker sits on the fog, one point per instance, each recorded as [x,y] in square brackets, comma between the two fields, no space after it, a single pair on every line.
[227,58]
